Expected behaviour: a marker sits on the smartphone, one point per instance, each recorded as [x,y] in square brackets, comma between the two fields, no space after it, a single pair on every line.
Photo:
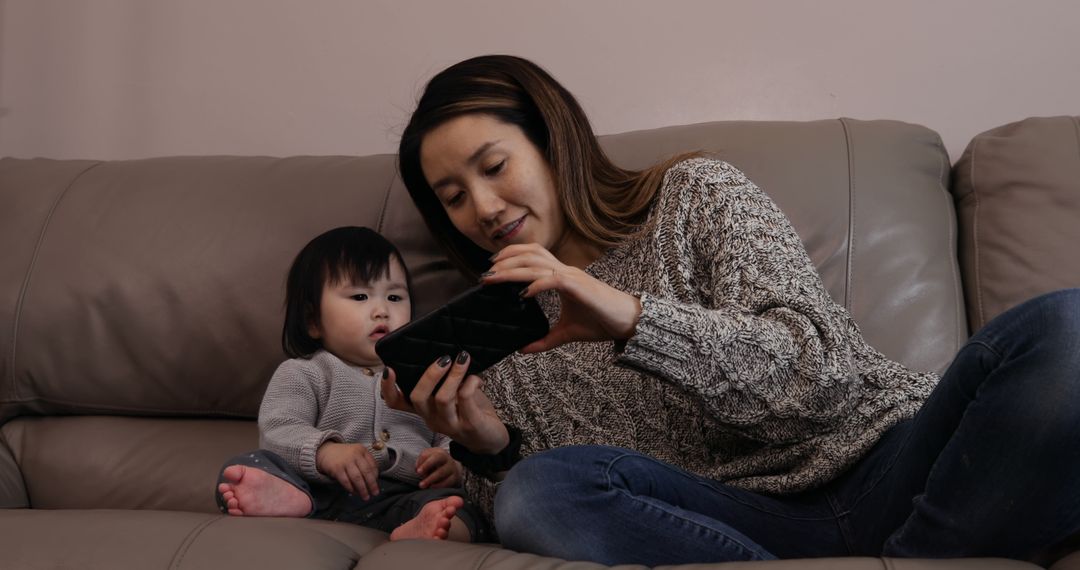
[488,321]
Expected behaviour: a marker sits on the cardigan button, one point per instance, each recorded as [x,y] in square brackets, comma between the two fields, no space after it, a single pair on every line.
[378,446]
[385,435]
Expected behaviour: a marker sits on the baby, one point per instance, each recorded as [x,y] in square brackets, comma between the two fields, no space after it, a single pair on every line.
[331,449]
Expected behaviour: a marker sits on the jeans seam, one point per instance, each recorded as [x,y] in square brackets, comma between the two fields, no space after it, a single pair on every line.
[841,519]
[611,486]
[722,536]
[877,480]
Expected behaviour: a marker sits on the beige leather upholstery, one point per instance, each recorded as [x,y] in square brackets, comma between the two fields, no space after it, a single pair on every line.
[114,462]
[870,202]
[115,539]
[1017,190]
[141,306]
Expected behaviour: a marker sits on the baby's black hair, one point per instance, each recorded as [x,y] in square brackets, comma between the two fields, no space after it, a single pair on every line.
[346,254]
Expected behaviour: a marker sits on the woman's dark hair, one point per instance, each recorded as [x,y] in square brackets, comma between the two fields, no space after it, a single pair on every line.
[346,254]
[602,202]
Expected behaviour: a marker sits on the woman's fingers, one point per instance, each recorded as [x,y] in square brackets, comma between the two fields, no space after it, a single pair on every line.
[519,250]
[421,393]
[486,432]
[391,394]
[446,399]
[555,337]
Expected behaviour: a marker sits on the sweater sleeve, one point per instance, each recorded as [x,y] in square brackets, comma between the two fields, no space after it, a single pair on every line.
[756,338]
[288,416]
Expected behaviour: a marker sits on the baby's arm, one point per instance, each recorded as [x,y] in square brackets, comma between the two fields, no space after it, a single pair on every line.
[287,420]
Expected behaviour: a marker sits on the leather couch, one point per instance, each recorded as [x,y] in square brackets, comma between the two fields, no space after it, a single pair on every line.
[141,307]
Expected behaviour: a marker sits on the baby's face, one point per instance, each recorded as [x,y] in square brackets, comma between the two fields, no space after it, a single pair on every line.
[354,316]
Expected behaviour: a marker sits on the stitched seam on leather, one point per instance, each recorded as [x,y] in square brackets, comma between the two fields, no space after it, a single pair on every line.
[15,459]
[167,412]
[29,275]
[483,559]
[851,217]
[181,551]
[950,222]
[980,312]
[1076,130]
[385,203]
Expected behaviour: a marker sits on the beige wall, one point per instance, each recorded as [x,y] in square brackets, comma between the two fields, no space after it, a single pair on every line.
[115,79]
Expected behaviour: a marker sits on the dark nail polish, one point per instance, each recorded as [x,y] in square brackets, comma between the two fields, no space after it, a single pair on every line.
[487,274]
[444,361]
[386,373]
[462,357]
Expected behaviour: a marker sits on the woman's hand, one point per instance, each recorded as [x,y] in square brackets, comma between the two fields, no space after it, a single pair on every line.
[438,469]
[351,465]
[591,309]
[458,409]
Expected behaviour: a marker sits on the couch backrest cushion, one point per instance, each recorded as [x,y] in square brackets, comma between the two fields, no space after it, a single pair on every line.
[868,199]
[154,287]
[1017,191]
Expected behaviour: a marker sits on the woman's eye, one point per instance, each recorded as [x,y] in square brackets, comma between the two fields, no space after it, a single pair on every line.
[455,199]
[493,170]
[359,297]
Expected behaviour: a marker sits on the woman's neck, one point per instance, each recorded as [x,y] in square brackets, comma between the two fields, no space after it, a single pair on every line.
[574,250]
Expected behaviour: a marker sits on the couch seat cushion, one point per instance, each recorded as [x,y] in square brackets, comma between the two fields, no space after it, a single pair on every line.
[112,539]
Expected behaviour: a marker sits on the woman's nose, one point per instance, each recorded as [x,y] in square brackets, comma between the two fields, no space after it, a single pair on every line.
[488,205]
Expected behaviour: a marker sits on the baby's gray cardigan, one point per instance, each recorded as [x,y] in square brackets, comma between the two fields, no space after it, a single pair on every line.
[742,368]
[309,402]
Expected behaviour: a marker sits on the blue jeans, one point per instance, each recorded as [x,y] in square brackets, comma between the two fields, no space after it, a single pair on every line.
[990,466]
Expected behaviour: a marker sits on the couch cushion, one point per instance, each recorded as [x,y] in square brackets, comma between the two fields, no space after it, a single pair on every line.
[432,554]
[107,540]
[124,463]
[157,285]
[1017,189]
[868,199]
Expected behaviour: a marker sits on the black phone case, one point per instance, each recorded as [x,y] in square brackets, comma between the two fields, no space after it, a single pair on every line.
[489,322]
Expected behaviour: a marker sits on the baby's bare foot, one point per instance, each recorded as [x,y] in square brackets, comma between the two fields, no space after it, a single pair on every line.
[432,523]
[255,493]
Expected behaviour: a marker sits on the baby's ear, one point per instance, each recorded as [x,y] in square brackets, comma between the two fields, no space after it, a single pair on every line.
[311,318]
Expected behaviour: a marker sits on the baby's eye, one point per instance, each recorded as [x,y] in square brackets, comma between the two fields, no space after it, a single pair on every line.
[396,298]
[359,297]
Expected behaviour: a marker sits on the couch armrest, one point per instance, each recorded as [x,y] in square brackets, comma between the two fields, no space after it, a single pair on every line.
[12,487]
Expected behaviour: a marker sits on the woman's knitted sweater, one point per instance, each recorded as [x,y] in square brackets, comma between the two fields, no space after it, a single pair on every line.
[742,368]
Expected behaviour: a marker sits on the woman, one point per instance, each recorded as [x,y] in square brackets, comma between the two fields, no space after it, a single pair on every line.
[701,397]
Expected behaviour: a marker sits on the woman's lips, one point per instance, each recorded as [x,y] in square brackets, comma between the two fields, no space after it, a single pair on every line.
[509,230]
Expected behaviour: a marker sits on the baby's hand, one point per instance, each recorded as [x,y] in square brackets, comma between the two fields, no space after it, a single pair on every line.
[352,465]
[438,469]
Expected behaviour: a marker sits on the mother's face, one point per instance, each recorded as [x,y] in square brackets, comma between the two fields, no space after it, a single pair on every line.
[495,185]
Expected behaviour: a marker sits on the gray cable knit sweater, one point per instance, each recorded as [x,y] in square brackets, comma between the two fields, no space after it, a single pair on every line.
[742,368]
[312,401]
